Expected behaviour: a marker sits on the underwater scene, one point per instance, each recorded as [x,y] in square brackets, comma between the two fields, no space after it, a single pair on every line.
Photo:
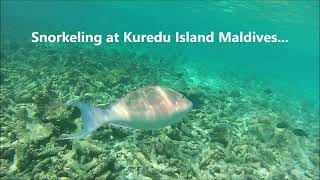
[142,111]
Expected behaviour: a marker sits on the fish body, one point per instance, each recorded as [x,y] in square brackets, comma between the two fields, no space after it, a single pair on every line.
[150,107]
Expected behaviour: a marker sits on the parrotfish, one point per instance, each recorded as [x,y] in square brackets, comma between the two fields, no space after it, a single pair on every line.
[150,107]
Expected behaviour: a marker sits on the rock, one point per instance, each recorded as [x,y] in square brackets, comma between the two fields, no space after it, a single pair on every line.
[42,98]
[219,134]
[261,173]
[105,175]
[25,98]
[248,170]
[47,153]
[4,139]
[37,132]
[22,114]
[64,178]
[59,112]
[151,172]
[41,166]
[296,174]
[21,157]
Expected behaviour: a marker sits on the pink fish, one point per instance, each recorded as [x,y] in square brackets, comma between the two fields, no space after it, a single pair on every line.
[150,107]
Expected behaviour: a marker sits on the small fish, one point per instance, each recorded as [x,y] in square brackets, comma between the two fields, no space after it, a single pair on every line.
[150,107]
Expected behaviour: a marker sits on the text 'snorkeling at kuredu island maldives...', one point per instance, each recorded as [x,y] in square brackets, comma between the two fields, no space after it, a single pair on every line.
[130,37]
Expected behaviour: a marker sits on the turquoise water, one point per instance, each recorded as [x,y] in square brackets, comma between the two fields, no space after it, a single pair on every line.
[295,63]
[256,105]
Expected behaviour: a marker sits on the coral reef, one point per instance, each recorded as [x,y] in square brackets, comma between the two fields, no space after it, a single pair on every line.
[233,132]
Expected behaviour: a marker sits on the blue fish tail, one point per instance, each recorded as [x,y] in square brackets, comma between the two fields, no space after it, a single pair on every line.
[92,118]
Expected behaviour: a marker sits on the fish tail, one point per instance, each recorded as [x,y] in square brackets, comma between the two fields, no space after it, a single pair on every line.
[92,118]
